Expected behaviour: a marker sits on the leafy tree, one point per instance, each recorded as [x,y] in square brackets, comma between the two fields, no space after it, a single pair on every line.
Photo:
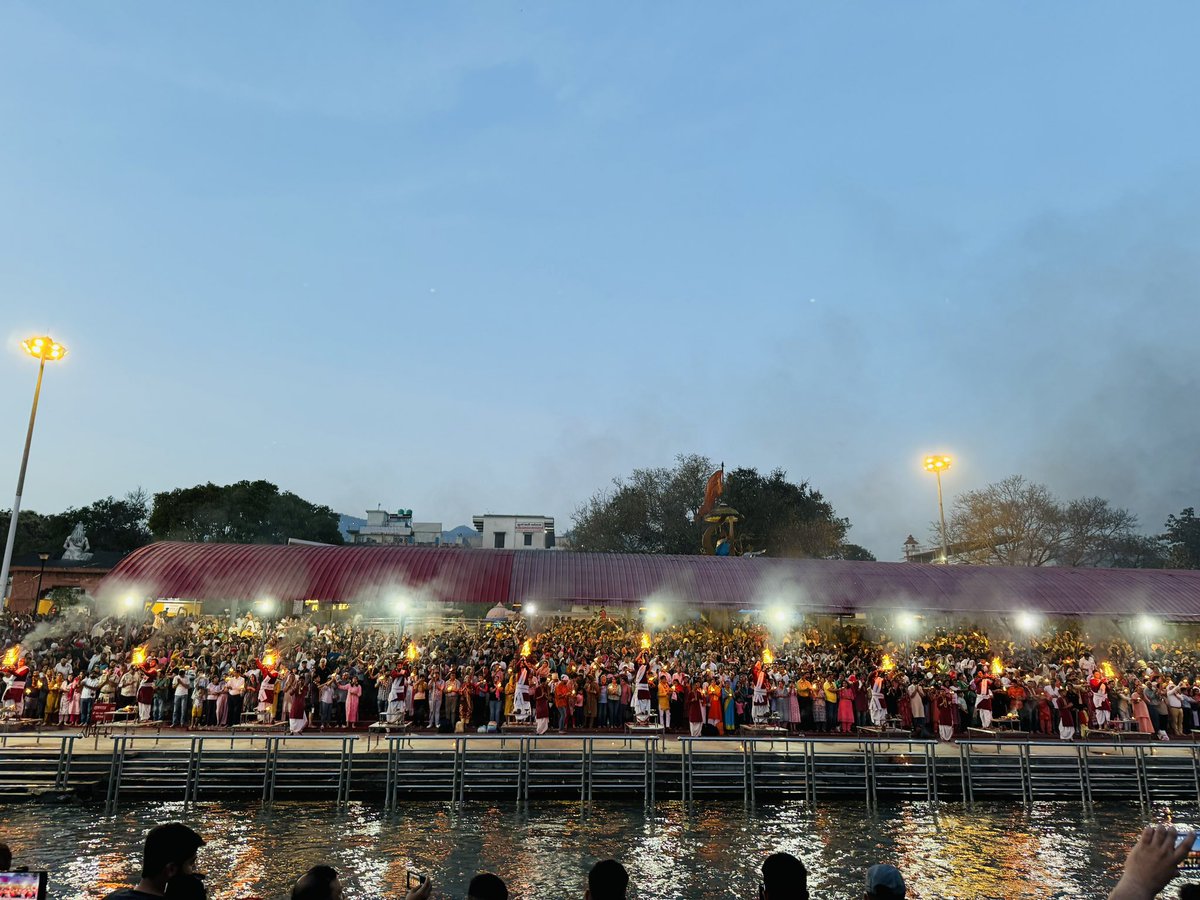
[1183,540]
[783,518]
[855,552]
[649,513]
[652,510]
[1015,522]
[248,512]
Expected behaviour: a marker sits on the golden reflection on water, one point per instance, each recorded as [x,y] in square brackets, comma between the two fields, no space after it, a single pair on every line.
[544,850]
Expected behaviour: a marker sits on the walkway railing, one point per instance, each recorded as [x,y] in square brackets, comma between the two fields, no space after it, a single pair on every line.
[587,767]
[1033,770]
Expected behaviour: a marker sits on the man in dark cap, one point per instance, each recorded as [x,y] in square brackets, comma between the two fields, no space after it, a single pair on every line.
[170,851]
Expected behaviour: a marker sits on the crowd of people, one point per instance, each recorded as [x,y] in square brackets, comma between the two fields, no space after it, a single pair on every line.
[594,673]
[170,870]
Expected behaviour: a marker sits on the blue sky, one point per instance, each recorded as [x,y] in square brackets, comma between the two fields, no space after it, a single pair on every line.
[486,257]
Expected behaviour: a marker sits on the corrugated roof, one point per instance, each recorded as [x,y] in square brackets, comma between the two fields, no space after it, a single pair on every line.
[248,572]
[300,572]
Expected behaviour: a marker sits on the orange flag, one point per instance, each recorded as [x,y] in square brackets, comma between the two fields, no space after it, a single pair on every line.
[712,490]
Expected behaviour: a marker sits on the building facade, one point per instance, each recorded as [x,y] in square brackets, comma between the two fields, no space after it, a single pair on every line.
[396,528]
[515,532]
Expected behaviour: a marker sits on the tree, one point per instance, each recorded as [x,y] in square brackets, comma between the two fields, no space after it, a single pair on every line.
[651,512]
[855,552]
[783,518]
[1015,522]
[112,525]
[248,512]
[1183,540]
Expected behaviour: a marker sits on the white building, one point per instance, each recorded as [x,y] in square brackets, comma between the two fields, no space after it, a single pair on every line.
[515,532]
[384,527]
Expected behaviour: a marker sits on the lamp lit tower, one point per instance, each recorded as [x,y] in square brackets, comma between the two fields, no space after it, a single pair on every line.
[937,464]
[44,350]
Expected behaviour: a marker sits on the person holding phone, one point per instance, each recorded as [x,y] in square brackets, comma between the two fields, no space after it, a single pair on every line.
[1153,862]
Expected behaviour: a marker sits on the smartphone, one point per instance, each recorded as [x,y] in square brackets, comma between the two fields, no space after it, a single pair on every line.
[415,880]
[1191,862]
[23,885]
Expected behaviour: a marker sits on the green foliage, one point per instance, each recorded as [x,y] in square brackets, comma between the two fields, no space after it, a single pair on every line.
[248,512]
[110,524]
[1183,540]
[650,512]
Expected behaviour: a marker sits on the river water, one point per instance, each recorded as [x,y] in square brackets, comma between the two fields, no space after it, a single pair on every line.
[543,850]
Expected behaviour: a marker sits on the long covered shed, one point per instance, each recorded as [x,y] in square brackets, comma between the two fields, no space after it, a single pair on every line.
[562,579]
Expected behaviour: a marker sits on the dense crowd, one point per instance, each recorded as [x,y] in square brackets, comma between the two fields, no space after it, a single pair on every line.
[596,672]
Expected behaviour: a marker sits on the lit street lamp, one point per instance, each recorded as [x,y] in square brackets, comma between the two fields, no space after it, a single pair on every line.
[44,350]
[937,465]
[42,571]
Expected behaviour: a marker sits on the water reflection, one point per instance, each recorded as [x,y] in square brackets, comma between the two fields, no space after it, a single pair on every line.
[544,850]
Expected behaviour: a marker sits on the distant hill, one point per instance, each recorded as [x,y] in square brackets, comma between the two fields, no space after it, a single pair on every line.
[462,531]
[345,523]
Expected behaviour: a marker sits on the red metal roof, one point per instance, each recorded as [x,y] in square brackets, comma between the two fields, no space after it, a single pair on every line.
[248,572]
[301,572]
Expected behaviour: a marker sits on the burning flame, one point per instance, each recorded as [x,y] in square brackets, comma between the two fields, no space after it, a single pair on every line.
[527,647]
[645,641]
[139,655]
[269,659]
[768,656]
[1108,669]
[412,653]
[12,655]
[997,666]
[888,664]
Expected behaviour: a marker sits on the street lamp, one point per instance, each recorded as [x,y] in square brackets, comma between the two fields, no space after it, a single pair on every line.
[44,350]
[938,464]
[42,571]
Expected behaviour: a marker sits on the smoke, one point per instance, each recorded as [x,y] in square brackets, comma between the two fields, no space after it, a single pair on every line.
[70,622]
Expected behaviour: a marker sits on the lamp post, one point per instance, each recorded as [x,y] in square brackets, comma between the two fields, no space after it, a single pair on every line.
[42,571]
[938,464]
[44,350]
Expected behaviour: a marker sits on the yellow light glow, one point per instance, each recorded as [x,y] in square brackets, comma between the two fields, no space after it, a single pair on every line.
[937,463]
[997,666]
[412,653]
[269,659]
[645,641]
[1108,669]
[888,663]
[527,647]
[768,656]
[139,655]
[12,654]
[44,348]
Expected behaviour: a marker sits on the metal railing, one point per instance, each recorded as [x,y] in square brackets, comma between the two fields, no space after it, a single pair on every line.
[163,765]
[550,762]
[1107,770]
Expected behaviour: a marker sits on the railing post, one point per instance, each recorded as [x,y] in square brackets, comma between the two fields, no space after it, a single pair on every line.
[66,750]
[653,769]
[1085,784]
[1196,769]
[389,775]
[114,776]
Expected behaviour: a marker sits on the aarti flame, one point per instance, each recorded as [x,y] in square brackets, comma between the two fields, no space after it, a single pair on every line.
[412,653]
[1109,672]
[139,655]
[269,659]
[997,666]
[527,647]
[888,664]
[12,655]
[768,656]
[645,641]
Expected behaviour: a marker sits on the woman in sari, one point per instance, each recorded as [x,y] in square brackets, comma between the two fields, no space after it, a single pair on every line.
[353,693]
[845,708]
[1141,712]
[727,704]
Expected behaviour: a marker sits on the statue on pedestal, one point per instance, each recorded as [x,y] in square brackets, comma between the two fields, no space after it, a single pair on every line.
[76,545]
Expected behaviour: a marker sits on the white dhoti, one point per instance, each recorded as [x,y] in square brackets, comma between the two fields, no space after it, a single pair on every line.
[696,728]
[946,732]
[542,725]
[985,718]
[878,710]
[295,726]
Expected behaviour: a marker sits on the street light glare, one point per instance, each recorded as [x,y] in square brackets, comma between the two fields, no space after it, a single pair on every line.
[1147,624]
[530,609]
[937,463]
[1027,621]
[44,348]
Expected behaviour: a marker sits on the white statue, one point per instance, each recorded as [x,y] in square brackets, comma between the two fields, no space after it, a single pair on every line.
[76,545]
